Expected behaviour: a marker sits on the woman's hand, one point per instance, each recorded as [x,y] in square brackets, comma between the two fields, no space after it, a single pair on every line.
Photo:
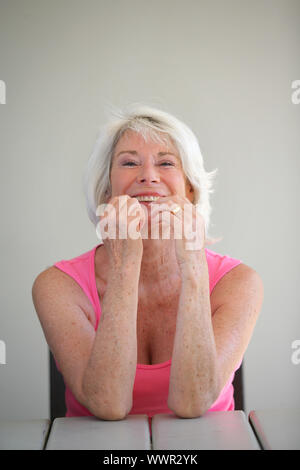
[186,227]
[121,220]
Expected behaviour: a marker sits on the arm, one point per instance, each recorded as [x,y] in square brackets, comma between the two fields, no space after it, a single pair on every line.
[109,376]
[193,386]
[98,367]
[101,384]
[211,334]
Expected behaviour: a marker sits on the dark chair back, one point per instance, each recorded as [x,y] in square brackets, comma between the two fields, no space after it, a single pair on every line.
[238,385]
[57,391]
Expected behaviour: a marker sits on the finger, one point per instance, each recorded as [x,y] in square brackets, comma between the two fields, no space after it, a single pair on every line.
[137,210]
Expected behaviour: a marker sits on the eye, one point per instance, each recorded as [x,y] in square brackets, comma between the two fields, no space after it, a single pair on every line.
[167,163]
[128,163]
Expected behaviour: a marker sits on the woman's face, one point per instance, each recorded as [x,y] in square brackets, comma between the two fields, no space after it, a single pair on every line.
[144,168]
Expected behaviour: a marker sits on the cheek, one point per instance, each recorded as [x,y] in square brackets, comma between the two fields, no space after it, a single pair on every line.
[120,181]
[181,183]
[116,179]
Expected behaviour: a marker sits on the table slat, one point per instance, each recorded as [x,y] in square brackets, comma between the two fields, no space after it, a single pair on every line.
[90,433]
[215,430]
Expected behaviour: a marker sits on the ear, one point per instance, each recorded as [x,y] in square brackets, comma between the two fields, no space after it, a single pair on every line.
[189,191]
[189,187]
[107,195]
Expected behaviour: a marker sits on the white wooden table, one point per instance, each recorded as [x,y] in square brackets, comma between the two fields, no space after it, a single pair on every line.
[218,430]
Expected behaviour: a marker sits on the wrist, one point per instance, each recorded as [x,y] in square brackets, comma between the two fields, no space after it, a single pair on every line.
[129,269]
[194,272]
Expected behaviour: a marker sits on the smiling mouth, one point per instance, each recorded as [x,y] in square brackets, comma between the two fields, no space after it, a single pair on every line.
[147,198]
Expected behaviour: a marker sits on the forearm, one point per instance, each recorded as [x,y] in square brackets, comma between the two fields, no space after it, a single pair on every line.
[194,372]
[109,377]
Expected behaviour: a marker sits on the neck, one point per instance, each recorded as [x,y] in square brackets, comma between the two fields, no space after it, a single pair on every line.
[158,264]
[159,261]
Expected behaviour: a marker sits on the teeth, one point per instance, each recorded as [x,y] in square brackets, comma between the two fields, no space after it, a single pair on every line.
[146,198]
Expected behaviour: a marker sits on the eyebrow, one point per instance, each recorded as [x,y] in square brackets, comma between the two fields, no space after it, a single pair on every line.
[134,152]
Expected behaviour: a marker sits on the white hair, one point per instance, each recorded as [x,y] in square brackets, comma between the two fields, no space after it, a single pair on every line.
[160,126]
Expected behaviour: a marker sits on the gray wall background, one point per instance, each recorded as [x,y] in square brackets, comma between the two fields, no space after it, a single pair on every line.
[223,67]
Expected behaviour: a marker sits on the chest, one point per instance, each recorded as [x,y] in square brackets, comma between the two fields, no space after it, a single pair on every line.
[156,322]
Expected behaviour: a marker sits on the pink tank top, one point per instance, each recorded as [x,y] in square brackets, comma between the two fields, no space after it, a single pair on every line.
[151,386]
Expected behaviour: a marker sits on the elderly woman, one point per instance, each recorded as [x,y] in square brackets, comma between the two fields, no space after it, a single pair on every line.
[145,324]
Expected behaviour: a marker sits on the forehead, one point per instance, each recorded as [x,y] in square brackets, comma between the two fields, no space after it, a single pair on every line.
[132,140]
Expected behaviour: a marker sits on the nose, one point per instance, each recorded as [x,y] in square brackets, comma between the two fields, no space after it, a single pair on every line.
[148,174]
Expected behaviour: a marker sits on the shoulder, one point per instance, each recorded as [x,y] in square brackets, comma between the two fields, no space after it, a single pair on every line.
[54,283]
[52,277]
[241,283]
[48,276]
[242,273]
